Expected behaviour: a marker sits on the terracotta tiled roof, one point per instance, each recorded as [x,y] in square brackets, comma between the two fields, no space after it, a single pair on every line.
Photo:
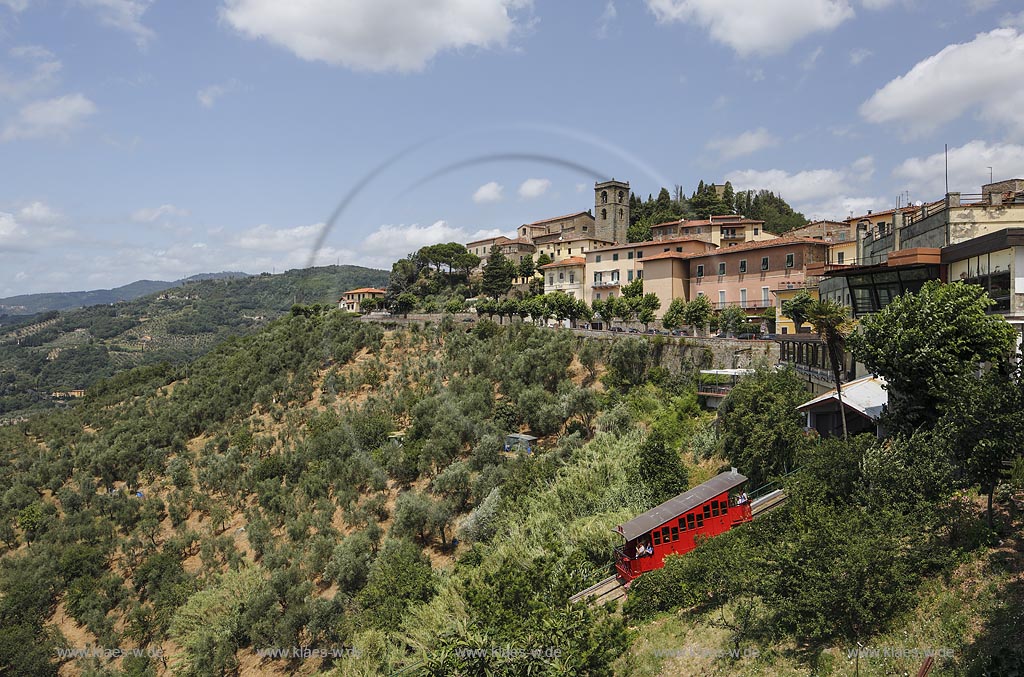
[648,243]
[497,239]
[556,218]
[669,255]
[887,212]
[764,244]
[713,221]
[571,261]
[558,237]
[746,246]
[367,290]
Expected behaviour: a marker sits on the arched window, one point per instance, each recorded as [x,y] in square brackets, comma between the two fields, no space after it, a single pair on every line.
[620,196]
[604,213]
[621,214]
[604,197]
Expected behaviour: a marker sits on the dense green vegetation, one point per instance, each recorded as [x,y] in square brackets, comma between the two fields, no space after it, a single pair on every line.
[75,348]
[706,201]
[325,484]
[868,523]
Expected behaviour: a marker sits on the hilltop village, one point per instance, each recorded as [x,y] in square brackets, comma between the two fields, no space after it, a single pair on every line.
[735,262]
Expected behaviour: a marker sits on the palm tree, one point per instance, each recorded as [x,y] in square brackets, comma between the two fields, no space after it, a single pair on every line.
[832,323]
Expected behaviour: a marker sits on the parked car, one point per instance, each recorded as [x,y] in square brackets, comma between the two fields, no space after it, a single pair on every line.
[651,331]
[618,329]
[747,336]
[633,330]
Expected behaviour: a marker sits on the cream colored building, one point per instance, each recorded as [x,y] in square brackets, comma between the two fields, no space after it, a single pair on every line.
[723,231]
[482,248]
[350,300]
[744,276]
[611,267]
[580,223]
[566,276]
[559,246]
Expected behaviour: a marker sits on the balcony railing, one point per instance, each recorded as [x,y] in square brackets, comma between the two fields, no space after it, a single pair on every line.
[713,391]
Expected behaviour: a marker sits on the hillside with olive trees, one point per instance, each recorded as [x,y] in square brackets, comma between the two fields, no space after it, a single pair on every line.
[327,496]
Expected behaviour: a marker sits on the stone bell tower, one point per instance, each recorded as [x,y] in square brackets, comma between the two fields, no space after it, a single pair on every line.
[611,210]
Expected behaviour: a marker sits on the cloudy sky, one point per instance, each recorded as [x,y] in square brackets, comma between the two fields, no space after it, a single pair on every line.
[158,138]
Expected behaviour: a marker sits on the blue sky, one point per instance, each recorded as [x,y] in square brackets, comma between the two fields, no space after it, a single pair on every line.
[158,139]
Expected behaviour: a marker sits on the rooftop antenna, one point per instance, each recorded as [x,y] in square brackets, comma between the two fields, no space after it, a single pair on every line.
[990,175]
[947,169]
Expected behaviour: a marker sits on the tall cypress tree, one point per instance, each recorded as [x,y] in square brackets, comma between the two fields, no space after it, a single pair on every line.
[498,274]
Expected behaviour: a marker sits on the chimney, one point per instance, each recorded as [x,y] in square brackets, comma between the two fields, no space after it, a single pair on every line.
[862,230]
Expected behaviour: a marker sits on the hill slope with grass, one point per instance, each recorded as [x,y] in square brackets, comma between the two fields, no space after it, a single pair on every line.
[323,496]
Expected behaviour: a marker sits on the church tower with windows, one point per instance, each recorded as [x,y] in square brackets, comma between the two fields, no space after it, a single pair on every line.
[611,210]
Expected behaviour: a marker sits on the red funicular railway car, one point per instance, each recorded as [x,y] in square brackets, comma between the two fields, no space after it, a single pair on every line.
[673,527]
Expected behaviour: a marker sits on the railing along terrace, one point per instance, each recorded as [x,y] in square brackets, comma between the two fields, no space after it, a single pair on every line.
[925,211]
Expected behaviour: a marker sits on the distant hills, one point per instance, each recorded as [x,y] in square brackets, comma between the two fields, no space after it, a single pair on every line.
[55,351]
[32,304]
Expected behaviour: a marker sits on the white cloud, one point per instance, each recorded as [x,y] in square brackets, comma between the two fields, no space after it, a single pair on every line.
[809,62]
[607,18]
[858,55]
[488,232]
[374,35]
[391,242]
[863,168]
[39,213]
[12,234]
[40,72]
[15,5]
[533,188]
[268,239]
[124,15]
[986,74]
[748,142]
[154,214]
[31,229]
[968,168]
[208,95]
[489,192]
[799,187]
[763,27]
[1013,21]
[976,6]
[49,118]
[818,193]
[877,4]
[840,207]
